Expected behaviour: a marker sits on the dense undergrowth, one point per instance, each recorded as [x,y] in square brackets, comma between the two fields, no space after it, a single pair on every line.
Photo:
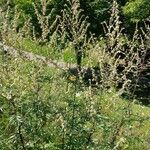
[41,110]
[45,108]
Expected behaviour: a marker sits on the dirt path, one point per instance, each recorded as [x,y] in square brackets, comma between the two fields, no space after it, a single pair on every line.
[33,57]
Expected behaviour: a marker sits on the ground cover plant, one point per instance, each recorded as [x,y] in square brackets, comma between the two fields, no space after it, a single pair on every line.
[35,116]
[100,103]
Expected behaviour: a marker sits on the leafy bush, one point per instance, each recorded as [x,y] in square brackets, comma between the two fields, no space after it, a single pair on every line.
[137,10]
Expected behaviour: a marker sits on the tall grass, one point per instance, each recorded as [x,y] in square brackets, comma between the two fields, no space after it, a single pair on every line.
[41,109]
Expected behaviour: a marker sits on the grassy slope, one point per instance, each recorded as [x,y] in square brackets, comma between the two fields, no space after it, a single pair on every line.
[50,50]
[23,79]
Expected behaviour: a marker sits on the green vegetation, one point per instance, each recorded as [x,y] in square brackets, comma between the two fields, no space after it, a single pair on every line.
[137,10]
[35,116]
[100,104]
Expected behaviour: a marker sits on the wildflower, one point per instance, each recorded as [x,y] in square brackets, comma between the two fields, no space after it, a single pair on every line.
[72,78]
[78,94]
